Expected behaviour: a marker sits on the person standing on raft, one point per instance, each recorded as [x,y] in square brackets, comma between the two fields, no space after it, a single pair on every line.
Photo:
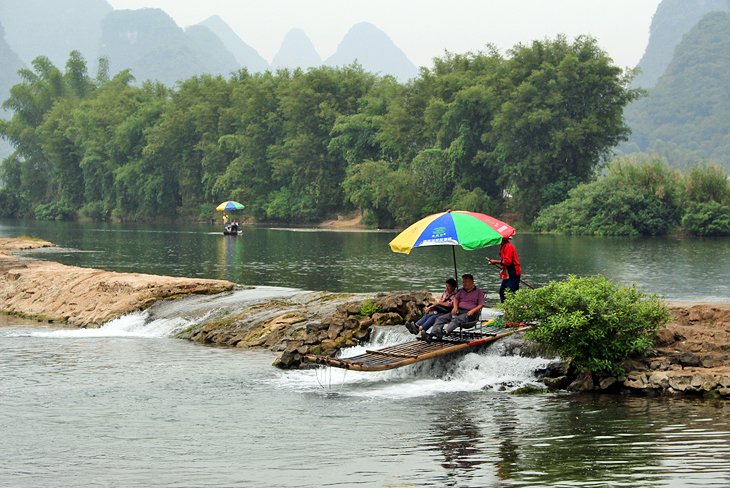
[511,269]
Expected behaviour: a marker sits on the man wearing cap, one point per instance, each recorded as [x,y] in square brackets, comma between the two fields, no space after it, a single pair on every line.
[511,269]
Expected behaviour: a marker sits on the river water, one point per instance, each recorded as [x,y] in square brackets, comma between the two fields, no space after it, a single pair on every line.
[127,405]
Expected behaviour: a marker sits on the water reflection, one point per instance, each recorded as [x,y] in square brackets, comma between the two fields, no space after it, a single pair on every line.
[362,261]
[457,436]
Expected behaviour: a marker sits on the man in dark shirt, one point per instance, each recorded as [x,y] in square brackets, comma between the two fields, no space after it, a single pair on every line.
[468,303]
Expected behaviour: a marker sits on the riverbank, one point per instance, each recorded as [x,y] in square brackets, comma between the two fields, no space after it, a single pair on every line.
[83,297]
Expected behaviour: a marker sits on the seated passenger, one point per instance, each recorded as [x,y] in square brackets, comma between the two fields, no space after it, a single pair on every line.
[468,303]
[443,306]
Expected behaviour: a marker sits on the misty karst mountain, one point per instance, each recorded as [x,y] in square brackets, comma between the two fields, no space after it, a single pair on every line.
[10,63]
[152,46]
[374,50]
[246,56]
[296,51]
[672,20]
[686,117]
[53,28]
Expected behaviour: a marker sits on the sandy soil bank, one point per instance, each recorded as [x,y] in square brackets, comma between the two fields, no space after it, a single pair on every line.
[348,222]
[83,297]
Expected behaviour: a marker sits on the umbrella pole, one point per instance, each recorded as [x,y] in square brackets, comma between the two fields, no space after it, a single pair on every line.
[453,253]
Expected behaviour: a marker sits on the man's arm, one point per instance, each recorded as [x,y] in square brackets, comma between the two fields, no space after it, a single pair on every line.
[455,309]
[480,305]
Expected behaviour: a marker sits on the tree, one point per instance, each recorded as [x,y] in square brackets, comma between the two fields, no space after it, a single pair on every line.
[561,115]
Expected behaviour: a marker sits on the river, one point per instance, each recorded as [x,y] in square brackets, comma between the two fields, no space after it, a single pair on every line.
[675,268]
[127,405]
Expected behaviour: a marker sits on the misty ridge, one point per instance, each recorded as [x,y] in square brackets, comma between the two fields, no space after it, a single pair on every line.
[149,42]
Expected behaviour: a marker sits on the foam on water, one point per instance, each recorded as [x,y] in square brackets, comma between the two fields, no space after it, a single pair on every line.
[164,319]
[490,369]
[132,325]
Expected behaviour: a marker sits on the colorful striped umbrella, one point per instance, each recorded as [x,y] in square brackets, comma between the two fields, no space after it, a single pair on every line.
[229,205]
[470,230]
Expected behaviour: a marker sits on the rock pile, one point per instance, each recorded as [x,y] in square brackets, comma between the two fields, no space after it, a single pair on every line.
[350,325]
[316,323]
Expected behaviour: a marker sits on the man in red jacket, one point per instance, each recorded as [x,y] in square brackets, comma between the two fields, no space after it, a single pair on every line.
[510,263]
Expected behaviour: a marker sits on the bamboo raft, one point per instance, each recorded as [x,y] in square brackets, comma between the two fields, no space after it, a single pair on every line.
[414,351]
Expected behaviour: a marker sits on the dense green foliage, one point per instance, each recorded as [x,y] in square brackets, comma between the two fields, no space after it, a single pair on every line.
[644,198]
[302,146]
[686,117]
[590,320]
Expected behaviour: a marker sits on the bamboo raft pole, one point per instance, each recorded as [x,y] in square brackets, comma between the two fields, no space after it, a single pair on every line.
[412,352]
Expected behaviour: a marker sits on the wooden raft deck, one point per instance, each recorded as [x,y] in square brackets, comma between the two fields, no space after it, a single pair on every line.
[414,351]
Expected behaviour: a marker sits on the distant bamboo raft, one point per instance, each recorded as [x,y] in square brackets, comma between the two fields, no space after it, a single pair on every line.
[414,351]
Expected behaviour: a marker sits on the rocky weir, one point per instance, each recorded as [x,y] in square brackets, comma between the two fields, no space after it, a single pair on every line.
[309,323]
[691,357]
[83,297]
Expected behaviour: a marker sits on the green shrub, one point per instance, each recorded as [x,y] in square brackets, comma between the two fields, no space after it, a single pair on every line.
[634,198]
[707,184]
[707,219]
[592,321]
[368,308]
[55,211]
[96,211]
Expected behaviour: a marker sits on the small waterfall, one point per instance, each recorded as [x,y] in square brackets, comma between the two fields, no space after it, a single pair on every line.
[136,324]
[489,369]
[165,318]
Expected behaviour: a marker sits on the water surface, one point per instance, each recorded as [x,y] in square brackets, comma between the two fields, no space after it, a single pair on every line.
[128,405]
[112,409]
[676,268]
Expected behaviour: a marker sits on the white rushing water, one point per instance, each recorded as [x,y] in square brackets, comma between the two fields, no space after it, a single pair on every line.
[489,369]
[133,325]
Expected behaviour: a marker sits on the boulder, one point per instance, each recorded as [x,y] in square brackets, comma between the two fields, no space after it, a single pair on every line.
[557,383]
[412,312]
[583,382]
[350,308]
[636,380]
[681,383]
[666,337]
[607,383]
[318,326]
[334,331]
[389,303]
[288,360]
[387,318]
[659,380]
[352,322]
[365,322]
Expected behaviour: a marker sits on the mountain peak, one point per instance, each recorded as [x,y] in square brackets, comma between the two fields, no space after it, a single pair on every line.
[671,21]
[296,51]
[374,50]
[245,55]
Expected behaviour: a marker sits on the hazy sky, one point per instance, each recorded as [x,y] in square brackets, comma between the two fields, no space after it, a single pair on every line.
[425,28]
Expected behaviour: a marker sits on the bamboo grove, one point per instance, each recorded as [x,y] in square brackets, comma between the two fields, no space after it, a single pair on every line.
[488,131]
